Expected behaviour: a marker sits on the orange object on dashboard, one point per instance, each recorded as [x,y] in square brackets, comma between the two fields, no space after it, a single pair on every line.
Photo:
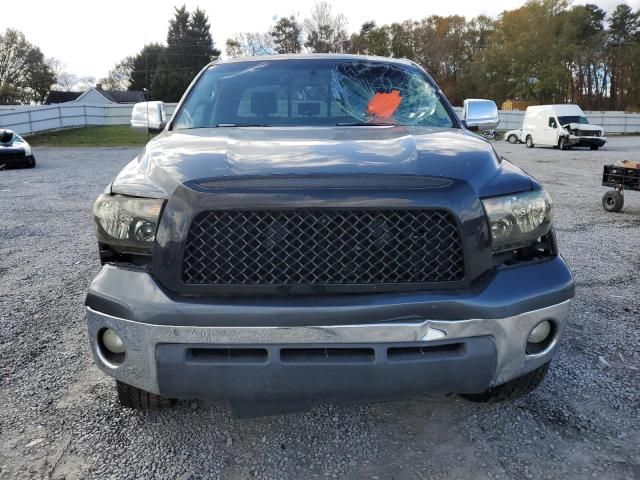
[384,105]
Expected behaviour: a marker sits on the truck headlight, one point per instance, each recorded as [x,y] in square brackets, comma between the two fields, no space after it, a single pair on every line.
[127,224]
[518,220]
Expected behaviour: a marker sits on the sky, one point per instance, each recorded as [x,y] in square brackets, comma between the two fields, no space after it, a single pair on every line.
[90,37]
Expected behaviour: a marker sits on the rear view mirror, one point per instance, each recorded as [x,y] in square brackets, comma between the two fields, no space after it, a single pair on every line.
[148,116]
[480,115]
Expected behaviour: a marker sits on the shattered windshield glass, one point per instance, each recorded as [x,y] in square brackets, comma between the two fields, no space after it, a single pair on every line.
[377,91]
[301,92]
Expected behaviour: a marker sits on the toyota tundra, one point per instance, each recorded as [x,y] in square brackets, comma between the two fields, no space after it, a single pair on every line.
[320,229]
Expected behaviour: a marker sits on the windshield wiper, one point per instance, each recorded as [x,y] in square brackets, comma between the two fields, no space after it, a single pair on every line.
[365,124]
[242,125]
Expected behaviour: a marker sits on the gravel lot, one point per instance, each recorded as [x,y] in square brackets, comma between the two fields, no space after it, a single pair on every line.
[59,417]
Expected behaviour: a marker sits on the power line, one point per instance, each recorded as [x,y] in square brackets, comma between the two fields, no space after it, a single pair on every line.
[168,69]
[177,45]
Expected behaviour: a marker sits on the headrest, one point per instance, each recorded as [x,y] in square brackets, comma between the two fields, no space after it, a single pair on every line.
[264,103]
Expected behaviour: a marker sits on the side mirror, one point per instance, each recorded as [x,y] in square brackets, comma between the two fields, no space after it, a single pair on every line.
[148,116]
[480,115]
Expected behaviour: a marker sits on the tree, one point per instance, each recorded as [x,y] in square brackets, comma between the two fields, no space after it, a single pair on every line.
[326,33]
[402,40]
[624,27]
[202,50]
[25,76]
[286,35]
[530,54]
[250,44]
[589,71]
[233,47]
[64,80]
[546,51]
[119,76]
[144,66]
[189,48]
[371,40]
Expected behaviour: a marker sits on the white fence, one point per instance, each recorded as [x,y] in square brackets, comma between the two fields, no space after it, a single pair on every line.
[33,119]
[611,122]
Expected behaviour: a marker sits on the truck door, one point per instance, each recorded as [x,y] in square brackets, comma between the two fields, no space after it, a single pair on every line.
[550,132]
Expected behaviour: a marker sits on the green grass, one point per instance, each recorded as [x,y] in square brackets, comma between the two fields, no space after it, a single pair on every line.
[97,136]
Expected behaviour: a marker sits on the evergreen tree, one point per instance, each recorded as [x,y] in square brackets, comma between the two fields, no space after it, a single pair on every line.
[189,48]
[202,49]
[144,66]
[286,35]
[624,29]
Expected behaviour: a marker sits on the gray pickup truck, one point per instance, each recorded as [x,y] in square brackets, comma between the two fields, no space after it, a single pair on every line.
[324,228]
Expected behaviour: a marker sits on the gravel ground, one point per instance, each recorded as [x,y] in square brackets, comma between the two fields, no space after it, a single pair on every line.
[59,417]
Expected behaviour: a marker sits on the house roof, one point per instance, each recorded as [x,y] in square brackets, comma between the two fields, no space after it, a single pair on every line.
[122,96]
[56,96]
[113,96]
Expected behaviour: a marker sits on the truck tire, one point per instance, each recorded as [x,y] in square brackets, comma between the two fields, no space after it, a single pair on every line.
[562,143]
[613,201]
[529,142]
[132,397]
[512,139]
[31,162]
[513,389]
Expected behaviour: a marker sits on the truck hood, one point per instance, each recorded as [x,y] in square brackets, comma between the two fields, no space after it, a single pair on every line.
[176,157]
[582,126]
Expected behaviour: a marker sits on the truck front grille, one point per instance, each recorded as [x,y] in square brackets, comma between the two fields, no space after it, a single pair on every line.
[322,247]
[588,133]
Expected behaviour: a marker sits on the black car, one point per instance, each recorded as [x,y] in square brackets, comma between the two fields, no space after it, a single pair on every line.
[15,151]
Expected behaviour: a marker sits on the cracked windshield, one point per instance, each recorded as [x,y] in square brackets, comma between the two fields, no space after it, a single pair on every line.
[312,92]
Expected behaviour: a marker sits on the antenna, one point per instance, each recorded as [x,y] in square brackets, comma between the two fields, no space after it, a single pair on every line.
[146,97]
[146,91]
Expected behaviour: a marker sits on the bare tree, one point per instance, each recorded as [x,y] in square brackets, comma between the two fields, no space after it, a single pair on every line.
[250,44]
[119,76]
[326,32]
[64,80]
[84,83]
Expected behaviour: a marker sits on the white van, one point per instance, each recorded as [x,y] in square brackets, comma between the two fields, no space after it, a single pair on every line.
[561,126]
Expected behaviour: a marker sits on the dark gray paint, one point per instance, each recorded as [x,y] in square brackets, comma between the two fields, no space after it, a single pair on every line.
[176,157]
[509,291]
[249,387]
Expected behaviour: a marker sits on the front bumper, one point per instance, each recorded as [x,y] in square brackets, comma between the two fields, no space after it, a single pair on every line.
[587,141]
[14,159]
[327,348]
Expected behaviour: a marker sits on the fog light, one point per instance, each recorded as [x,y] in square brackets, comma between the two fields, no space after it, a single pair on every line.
[540,333]
[112,341]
